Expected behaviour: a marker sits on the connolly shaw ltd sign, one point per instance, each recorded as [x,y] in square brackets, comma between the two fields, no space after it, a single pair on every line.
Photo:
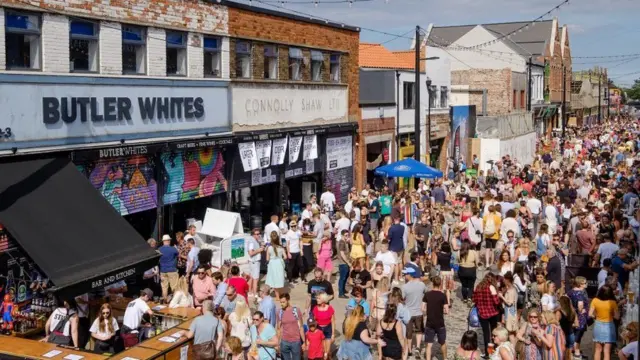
[46,114]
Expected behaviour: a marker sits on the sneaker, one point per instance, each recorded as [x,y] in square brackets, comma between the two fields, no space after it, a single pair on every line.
[416,354]
[343,297]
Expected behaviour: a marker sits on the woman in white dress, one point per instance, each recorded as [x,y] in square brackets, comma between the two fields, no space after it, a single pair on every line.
[276,269]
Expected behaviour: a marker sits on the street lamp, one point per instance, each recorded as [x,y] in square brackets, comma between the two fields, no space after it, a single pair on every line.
[428,147]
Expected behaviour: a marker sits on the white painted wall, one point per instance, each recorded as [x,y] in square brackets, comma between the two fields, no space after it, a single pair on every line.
[372,113]
[110,48]
[3,54]
[522,148]
[537,85]
[459,95]
[503,56]
[55,40]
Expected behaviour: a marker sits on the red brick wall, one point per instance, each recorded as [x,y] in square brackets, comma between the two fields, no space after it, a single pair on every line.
[372,127]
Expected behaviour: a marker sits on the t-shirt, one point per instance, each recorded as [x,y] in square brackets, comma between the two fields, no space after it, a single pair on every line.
[422,232]
[230,305]
[365,305]
[318,229]
[606,251]
[203,328]
[241,285]
[375,215]
[388,259]
[435,300]
[396,235]
[360,278]
[268,332]
[343,248]
[254,245]
[168,259]
[631,349]
[604,309]
[133,313]
[293,240]
[271,227]
[362,326]
[617,265]
[268,308]
[315,339]
[193,258]
[385,204]
[413,292]
[323,317]
[60,315]
[95,328]
[314,287]
[327,199]
[289,324]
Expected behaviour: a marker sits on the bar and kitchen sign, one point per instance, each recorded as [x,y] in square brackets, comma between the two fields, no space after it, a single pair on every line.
[61,114]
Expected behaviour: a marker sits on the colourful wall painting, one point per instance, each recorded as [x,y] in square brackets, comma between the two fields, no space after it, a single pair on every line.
[128,183]
[192,174]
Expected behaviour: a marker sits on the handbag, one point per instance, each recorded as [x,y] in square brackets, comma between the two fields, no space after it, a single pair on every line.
[207,350]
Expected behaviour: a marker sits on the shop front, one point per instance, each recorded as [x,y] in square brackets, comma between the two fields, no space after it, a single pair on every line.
[123,134]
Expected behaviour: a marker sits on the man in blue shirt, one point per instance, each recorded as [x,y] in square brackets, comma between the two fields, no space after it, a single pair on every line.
[396,243]
[621,267]
[267,305]
[168,266]
[439,194]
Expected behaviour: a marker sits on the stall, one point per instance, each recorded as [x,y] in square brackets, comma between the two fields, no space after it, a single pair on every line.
[222,232]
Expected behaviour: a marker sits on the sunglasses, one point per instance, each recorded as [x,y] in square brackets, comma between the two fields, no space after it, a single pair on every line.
[229,294]
[533,316]
[256,319]
[201,273]
[106,313]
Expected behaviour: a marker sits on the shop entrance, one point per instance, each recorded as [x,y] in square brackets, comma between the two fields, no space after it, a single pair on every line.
[256,204]
[435,151]
[176,215]
[298,191]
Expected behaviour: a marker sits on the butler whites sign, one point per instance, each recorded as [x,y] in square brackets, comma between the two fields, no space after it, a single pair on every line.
[270,104]
[42,114]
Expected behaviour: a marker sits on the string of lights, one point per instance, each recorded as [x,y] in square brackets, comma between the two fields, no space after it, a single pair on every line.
[606,56]
[604,61]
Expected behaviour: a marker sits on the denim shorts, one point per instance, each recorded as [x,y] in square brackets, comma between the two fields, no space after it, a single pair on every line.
[327,331]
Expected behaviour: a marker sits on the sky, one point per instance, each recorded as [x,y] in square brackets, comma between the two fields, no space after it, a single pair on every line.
[596,27]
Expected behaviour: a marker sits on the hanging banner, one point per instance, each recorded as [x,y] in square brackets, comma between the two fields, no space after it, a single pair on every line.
[339,152]
[310,148]
[278,151]
[294,148]
[263,150]
[248,156]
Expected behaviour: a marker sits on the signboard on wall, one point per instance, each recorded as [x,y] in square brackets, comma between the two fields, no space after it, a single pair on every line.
[271,104]
[339,174]
[41,113]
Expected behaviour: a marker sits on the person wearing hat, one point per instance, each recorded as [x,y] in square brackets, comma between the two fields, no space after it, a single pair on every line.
[294,249]
[135,310]
[168,266]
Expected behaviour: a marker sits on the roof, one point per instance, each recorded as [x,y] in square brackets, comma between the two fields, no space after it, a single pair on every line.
[67,228]
[531,40]
[377,56]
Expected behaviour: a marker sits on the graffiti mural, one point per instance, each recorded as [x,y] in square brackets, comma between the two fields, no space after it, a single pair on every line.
[128,184]
[192,174]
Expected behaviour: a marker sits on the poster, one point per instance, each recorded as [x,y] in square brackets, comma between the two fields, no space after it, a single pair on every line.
[263,151]
[248,156]
[237,248]
[459,131]
[339,152]
[192,174]
[278,151]
[310,148]
[294,148]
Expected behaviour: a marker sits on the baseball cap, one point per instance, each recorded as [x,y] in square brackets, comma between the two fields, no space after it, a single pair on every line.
[188,237]
[148,292]
[311,322]
[411,271]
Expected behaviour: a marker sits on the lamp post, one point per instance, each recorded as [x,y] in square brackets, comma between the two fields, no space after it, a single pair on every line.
[417,93]
[428,147]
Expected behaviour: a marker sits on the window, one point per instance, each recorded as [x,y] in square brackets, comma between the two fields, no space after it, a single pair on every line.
[444,97]
[515,99]
[408,98]
[270,62]
[433,96]
[83,46]
[211,48]
[295,64]
[317,60]
[22,36]
[134,50]
[176,53]
[243,59]
[522,103]
[334,62]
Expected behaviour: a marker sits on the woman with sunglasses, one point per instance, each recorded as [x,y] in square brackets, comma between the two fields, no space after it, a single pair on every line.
[103,331]
[504,350]
[264,338]
[532,349]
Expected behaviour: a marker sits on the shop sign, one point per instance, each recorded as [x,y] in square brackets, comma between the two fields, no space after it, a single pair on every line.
[196,144]
[270,104]
[294,148]
[339,152]
[310,150]
[44,114]
[278,151]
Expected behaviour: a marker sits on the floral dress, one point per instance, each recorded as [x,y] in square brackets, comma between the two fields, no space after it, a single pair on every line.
[535,296]
[576,296]
[532,351]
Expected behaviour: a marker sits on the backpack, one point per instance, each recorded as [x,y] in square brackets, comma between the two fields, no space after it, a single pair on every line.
[474,318]
[295,313]
[490,227]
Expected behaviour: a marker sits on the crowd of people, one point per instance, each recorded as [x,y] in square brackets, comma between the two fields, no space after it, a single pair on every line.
[503,238]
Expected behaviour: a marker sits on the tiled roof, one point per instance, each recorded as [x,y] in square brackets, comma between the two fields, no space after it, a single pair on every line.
[377,56]
[531,40]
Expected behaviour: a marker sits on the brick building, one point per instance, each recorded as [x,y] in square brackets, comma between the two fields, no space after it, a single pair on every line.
[155,101]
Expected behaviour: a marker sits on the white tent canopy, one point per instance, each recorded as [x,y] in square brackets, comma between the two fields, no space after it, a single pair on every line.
[221,224]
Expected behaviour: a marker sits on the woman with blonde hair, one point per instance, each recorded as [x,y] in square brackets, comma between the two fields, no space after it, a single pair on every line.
[521,254]
[357,244]
[551,337]
[379,299]
[386,225]
[324,315]
[181,297]
[357,339]
[233,347]
[532,349]
[103,331]
[504,349]
[240,321]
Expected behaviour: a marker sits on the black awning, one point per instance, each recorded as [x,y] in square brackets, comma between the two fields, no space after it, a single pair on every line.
[67,228]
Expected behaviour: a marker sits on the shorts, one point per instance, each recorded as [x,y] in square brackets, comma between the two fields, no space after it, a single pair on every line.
[415,325]
[399,256]
[327,331]
[324,263]
[430,335]
[490,243]
[255,270]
